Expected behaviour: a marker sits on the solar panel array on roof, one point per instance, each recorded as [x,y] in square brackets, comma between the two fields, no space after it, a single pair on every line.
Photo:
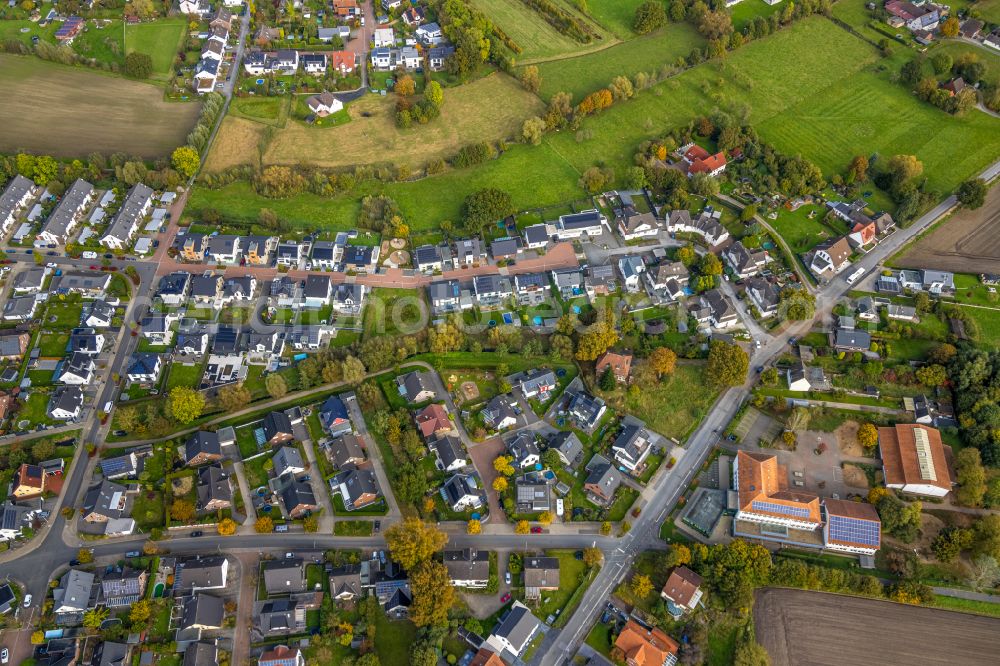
[772,507]
[854,530]
[112,466]
[924,458]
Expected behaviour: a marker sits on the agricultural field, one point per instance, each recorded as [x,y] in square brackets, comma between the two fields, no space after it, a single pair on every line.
[968,240]
[584,74]
[895,633]
[372,135]
[45,112]
[161,40]
[529,30]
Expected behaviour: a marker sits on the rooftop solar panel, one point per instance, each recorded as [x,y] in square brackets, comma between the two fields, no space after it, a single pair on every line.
[854,530]
[772,507]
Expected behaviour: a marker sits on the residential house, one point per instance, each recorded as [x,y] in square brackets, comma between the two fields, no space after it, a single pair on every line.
[433,419]
[66,403]
[144,368]
[585,224]
[345,9]
[157,328]
[201,653]
[971,28]
[127,220]
[851,527]
[524,449]
[631,268]
[537,382]
[105,502]
[501,412]
[850,340]
[123,587]
[632,446]
[829,257]
[278,428]
[19,192]
[333,416]
[342,61]
[541,574]
[449,453]
[682,591]
[707,226]
[467,567]
[862,233]
[327,34]
[761,486]
[515,632]
[449,296]
[324,104]
[357,486]
[901,312]
[507,248]
[288,253]
[384,37]
[89,285]
[287,293]
[345,582]
[14,345]
[207,289]
[109,653]
[532,493]
[201,611]
[398,603]
[20,308]
[200,8]
[202,573]
[764,296]
[281,655]
[568,282]
[214,489]
[413,16]
[284,576]
[486,657]
[287,460]
[567,445]
[992,40]
[192,247]
[31,280]
[277,617]
[620,364]
[74,593]
[586,410]
[173,289]
[644,646]
[416,386]
[915,460]
[743,262]
[461,492]
[538,235]
[317,291]
[916,17]
[469,252]
[698,160]
[806,378]
[531,288]
[723,313]
[100,314]
[602,480]
[224,249]
[658,277]
[315,64]
[347,449]
[492,290]
[67,213]
[200,448]
[600,280]
[429,34]
[237,291]
[28,482]
[349,299]
[633,225]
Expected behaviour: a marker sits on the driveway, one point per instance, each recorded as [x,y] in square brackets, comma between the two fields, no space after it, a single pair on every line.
[483,454]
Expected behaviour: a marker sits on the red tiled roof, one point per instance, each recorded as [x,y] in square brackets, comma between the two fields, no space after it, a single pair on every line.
[645,647]
[899,456]
[682,585]
[433,418]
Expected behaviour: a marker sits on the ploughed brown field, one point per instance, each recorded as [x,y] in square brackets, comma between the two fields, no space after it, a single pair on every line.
[967,243]
[68,111]
[801,627]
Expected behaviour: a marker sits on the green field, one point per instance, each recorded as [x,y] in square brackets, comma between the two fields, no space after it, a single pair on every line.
[799,230]
[161,40]
[240,203]
[988,322]
[586,73]
[747,10]
[989,10]
[269,110]
[615,15]
[676,404]
[529,30]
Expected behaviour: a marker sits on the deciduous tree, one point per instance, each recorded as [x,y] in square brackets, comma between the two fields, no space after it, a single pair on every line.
[185,160]
[971,477]
[413,541]
[972,193]
[185,404]
[531,79]
[522,527]
[641,585]
[662,361]
[226,527]
[727,364]
[263,525]
[234,397]
[182,510]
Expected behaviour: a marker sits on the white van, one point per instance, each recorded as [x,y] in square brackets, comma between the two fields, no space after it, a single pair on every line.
[855,276]
[89,255]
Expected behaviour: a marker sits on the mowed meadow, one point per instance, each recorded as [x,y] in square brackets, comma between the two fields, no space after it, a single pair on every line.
[71,111]
[487,109]
[811,89]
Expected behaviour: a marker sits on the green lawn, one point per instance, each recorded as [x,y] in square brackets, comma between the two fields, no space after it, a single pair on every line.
[394,638]
[586,73]
[529,29]
[747,10]
[34,410]
[966,605]
[53,344]
[159,39]
[377,509]
[600,637]
[799,230]
[352,528]
[988,323]
[615,15]
[268,110]
[394,312]
[147,511]
[572,573]
[63,315]
[238,202]
[184,375]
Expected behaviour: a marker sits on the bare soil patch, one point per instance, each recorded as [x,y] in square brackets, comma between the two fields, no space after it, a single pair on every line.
[847,439]
[855,477]
[182,485]
[469,391]
[967,243]
[801,627]
[71,111]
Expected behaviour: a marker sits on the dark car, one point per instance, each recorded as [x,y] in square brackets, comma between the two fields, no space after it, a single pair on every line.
[119,433]
[378,526]
[196,533]
[74,563]
[52,254]
[109,256]
[536,530]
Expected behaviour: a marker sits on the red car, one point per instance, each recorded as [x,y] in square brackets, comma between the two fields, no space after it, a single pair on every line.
[93,267]
[505,598]
[536,530]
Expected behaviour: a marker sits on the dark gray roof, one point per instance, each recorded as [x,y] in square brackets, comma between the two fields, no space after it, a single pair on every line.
[853,339]
[213,485]
[128,215]
[205,285]
[297,494]
[503,247]
[287,458]
[106,499]
[567,443]
[317,286]
[110,654]
[202,572]
[345,449]
[537,233]
[518,625]
[68,207]
[202,609]
[202,441]
[358,481]
[449,449]
[277,423]
[15,191]
[201,654]
[285,575]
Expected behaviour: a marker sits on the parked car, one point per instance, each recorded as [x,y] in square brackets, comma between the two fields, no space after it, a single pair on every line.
[4,653]
[505,598]
[378,526]
[506,578]
[132,553]
[27,600]
[196,533]
[536,530]
[281,528]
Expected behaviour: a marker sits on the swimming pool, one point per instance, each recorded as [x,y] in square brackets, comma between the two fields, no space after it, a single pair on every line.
[536,320]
